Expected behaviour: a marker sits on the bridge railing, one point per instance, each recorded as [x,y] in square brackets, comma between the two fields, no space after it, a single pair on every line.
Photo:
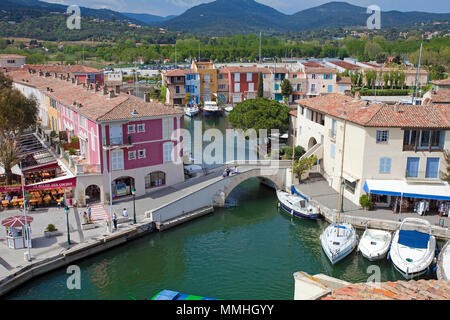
[260,163]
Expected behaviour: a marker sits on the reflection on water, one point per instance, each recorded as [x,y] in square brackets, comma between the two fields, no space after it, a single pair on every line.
[246,252]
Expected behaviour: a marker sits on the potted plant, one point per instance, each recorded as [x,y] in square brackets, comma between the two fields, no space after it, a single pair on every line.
[51,231]
[365,202]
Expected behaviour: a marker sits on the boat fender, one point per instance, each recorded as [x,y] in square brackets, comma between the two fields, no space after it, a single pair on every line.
[434,268]
[428,270]
[278,204]
[388,257]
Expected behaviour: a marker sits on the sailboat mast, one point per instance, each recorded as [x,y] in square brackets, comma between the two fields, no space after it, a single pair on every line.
[293,160]
[417,73]
[341,191]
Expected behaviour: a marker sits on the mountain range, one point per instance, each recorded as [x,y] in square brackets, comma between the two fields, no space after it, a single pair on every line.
[225,17]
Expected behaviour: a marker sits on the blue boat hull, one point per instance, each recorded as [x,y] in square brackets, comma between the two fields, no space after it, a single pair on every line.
[299,214]
[211,113]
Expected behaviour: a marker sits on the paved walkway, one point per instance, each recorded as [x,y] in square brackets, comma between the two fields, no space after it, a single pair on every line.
[320,191]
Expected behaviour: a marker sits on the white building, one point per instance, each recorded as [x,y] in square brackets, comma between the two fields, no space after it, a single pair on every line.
[12,60]
[393,146]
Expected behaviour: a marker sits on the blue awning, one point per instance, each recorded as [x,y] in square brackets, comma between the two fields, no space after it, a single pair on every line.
[439,191]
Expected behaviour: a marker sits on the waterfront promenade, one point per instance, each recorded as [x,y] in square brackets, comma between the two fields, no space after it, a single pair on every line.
[12,262]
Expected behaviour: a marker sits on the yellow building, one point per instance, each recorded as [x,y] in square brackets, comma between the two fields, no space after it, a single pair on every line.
[53,115]
[208,80]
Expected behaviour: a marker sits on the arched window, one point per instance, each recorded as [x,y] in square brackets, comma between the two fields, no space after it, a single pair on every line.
[155,179]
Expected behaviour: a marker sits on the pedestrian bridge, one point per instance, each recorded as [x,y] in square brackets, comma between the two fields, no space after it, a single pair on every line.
[214,192]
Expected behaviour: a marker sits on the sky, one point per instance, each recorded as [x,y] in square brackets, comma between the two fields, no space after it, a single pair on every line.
[176,7]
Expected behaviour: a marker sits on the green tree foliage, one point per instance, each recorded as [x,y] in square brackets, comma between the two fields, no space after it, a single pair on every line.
[260,113]
[286,89]
[5,81]
[446,175]
[9,157]
[17,113]
[303,165]
[260,85]
[371,77]
[286,152]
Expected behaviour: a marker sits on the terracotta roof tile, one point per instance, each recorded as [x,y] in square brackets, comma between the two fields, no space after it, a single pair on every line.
[11,56]
[444,82]
[247,69]
[320,70]
[346,65]
[176,73]
[379,115]
[95,105]
[400,290]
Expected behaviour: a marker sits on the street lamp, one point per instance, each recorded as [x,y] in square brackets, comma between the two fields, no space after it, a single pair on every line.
[133,191]
[66,209]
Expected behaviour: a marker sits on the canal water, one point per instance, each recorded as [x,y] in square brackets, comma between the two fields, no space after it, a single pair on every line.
[248,251]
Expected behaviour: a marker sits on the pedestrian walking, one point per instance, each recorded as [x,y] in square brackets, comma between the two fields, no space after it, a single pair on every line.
[125,212]
[89,212]
[236,170]
[115,220]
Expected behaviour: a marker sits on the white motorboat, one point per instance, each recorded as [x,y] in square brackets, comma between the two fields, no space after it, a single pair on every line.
[297,205]
[374,244]
[193,169]
[338,241]
[443,264]
[211,109]
[191,111]
[228,109]
[413,251]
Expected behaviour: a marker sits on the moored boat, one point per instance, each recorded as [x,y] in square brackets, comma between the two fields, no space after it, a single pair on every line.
[191,111]
[443,263]
[338,241]
[413,251]
[297,205]
[211,109]
[174,295]
[228,109]
[374,244]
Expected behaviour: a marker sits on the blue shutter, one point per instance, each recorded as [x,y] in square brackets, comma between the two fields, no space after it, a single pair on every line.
[330,88]
[385,165]
[432,168]
[412,167]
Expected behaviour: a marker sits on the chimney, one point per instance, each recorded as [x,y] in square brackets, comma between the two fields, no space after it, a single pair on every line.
[41,73]
[396,109]
[117,89]
[105,90]
[73,80]
[56,75]
[111,94]
[357,95]
[147,97]
[77,81]
[97,87]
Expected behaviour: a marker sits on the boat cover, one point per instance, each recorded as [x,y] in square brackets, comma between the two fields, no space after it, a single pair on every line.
[413,239]
[294,191]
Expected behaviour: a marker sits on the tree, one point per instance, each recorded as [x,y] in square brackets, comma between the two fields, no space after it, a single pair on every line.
[17,113]
[9,157]
[446,175]
[286,89]
[260,113]
[286,152]
[260,85]
[372,49]
[5,81]
[303,165]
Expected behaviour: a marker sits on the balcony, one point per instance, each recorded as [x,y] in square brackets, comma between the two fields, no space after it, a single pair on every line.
[80,165]
[117,142]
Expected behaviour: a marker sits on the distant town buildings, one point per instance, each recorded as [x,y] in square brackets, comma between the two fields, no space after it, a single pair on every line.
[12,60]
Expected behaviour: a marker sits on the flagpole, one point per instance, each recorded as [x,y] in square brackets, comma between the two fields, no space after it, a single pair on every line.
[25,213]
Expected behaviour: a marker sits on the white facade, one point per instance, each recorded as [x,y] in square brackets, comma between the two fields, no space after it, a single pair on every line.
[16,61]
[364,156]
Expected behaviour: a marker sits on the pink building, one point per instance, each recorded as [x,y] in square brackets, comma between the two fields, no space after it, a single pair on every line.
[132,142]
